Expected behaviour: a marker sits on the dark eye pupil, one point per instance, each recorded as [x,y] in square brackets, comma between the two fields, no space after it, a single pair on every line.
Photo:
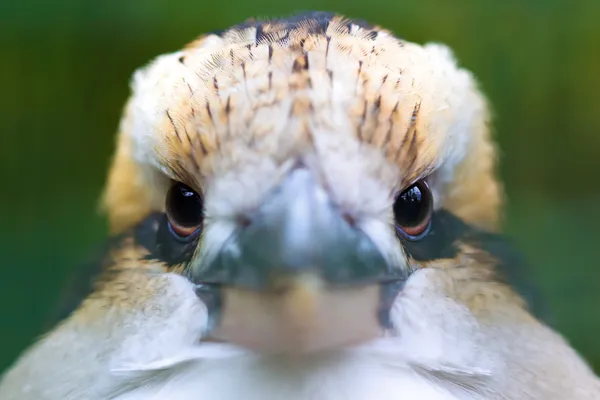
[184,206]
[411,207]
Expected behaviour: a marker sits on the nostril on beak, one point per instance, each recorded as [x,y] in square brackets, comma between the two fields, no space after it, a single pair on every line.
[243,220]
[349,218]
[298,164]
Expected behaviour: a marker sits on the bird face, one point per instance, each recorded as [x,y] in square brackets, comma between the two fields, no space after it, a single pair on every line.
[300,172]
[304,207]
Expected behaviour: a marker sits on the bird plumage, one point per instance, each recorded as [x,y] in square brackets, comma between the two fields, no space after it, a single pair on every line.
[239,105]
[248,118]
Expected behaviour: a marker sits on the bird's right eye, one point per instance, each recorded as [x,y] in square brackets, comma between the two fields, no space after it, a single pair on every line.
[413,210]
[185,211]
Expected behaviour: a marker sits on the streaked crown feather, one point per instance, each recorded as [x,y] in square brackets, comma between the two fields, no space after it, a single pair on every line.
[317,83]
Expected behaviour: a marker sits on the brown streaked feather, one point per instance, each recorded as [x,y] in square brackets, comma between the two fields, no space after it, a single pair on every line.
[269,86]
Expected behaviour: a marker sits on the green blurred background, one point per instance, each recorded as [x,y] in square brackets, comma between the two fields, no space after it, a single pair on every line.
[64,71]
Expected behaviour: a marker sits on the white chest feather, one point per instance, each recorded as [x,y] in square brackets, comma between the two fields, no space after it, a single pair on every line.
[255,379]
[421,363]
[439,352]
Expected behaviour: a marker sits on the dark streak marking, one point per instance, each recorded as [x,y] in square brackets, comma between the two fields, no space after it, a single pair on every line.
[377,104]
[228,106]
[187,135]
[193,158]
[415,115]
[181,60]
[411,129]
[375,110]
[412,151]
[316,27]
[270,53]
[360,65]
[189,88]
[202,147]
[328,39]
[243,65]
[216,85]
[372,35]
[362,120]
[270,77]
[302,41]
[181,172]
[174,127]
[365,83]
[384,79]
[250,54]
[209,112]
[343,48]
[330,74]
[232,57]
[388,133]
[227,112]
[364,113]
[300,63]
[260,34]
[194,161]
[402,146]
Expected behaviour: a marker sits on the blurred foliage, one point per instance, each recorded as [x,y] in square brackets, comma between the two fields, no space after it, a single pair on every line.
[64,71]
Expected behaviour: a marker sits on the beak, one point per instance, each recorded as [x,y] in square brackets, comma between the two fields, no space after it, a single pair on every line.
[297,231]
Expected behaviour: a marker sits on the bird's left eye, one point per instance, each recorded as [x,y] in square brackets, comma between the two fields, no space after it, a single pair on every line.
[412,211]
[185,210]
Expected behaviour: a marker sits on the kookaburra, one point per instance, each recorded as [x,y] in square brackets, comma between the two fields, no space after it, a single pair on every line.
[303,208]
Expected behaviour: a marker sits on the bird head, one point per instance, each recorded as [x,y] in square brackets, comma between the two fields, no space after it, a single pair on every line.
[304,175]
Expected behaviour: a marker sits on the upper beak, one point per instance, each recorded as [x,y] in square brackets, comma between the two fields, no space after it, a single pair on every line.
[297,230]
